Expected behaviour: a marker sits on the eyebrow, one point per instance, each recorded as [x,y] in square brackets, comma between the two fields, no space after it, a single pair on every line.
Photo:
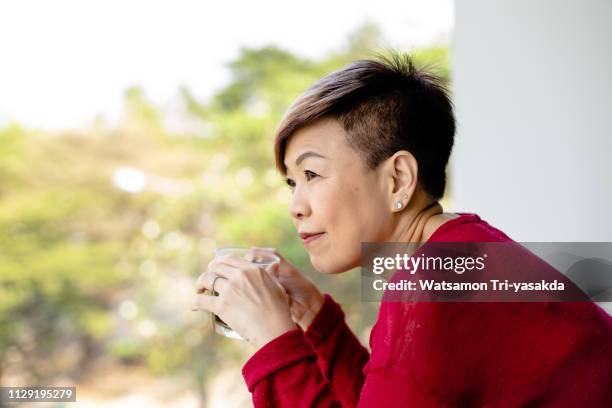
[305,155]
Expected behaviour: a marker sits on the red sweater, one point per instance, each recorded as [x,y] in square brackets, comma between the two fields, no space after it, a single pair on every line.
[427,354]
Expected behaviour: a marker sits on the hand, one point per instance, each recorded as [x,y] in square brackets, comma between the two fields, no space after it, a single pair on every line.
[250,300]
[305,299]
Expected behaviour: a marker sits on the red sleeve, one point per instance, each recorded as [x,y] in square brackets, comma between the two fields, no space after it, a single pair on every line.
[284,373]
[341,357]
[322,366]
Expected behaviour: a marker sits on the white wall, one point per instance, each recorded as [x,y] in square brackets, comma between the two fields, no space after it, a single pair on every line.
[533,92]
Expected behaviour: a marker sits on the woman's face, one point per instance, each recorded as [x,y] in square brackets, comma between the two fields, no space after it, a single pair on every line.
[334,194]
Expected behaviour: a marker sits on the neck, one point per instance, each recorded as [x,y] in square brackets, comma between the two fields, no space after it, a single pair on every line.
[416,223]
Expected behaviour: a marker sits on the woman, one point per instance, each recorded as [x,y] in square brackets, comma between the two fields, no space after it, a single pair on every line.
[364,151]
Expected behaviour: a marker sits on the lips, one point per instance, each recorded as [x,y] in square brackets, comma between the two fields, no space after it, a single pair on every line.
[308,237]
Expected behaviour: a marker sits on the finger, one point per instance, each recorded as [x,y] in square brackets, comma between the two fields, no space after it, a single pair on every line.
[206,281]
[227,266]
[203,282]
[273,270]
[205,302]
[277,282]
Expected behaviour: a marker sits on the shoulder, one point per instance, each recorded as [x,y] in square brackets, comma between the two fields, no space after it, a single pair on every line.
[468,227]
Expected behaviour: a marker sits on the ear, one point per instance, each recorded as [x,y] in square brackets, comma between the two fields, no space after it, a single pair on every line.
[402,175]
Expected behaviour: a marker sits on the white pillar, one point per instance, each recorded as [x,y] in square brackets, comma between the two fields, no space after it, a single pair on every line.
[532,82]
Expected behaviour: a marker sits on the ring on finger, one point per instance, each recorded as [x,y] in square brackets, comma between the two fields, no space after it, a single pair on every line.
[212,289]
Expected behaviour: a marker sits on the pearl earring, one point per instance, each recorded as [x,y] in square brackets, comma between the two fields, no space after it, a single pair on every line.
[398,204]
[405,195]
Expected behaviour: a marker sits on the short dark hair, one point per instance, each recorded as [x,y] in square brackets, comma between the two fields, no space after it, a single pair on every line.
[385,105]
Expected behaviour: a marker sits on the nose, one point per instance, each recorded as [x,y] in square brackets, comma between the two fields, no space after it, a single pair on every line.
[299,207]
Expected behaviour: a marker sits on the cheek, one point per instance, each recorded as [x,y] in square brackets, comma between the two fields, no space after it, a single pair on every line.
[348,215]
[359,208]
[339,210]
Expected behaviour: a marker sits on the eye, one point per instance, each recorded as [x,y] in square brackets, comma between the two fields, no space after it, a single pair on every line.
[310,174]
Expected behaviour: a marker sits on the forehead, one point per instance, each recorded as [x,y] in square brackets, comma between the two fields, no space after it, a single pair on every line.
[326,137]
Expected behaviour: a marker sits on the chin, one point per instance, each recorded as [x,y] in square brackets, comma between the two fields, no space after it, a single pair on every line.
[330,267]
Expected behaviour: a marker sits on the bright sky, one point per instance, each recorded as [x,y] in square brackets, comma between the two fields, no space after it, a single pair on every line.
[63,62]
